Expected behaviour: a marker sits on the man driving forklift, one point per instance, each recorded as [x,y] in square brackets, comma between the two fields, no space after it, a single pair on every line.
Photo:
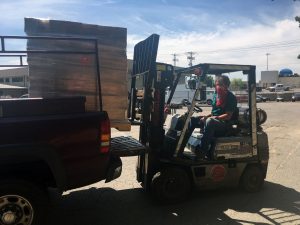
[240,157]
[215,124]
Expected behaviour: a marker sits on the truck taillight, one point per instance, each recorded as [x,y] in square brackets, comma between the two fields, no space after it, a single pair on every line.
[105,136]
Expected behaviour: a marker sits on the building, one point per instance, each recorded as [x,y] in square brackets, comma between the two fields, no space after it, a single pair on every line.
[14,82]
[293,82]
[9,91]
[15,77]
[270,78]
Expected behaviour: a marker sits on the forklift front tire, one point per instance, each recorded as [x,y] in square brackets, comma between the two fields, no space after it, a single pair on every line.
[171,185]
[252,179]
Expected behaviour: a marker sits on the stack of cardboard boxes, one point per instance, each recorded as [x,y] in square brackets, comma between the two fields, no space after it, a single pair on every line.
[69,74]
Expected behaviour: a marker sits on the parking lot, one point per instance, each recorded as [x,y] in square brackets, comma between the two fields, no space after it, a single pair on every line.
[123,201]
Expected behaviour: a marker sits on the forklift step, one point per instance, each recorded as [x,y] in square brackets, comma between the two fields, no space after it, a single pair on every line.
[126,146]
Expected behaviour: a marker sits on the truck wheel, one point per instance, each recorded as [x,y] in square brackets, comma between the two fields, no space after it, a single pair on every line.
[252,179]
[21,203]
[171,185]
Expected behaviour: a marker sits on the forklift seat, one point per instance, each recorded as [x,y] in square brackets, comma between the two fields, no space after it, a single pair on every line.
[233,125]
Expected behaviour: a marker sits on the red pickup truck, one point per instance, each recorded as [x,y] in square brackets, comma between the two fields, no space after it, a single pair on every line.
[50,143]
[55,142]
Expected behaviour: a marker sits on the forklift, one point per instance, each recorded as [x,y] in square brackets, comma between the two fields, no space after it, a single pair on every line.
[168,167]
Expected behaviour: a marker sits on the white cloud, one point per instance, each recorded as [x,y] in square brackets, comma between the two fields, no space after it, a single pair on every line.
[214,33]
[103,2]
[233,38]
[185,29]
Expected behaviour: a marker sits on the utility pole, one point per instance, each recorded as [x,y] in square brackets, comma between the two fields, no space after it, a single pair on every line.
[268,60]
[190,58]
[175,59]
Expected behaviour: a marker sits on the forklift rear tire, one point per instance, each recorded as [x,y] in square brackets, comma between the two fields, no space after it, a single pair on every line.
[171,185]
[252,179]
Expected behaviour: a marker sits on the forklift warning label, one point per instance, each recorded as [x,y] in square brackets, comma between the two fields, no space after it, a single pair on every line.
[228,146]
[218,173]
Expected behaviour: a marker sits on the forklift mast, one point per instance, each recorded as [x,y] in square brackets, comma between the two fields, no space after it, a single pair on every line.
[156,77]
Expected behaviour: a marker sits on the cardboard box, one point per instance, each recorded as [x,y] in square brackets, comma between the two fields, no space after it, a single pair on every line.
[57,75]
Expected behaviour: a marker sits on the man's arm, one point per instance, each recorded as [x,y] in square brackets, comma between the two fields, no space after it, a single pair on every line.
[229,109]
[225,116]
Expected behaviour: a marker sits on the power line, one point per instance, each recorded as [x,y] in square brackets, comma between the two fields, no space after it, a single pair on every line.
[281,44]
[256,47]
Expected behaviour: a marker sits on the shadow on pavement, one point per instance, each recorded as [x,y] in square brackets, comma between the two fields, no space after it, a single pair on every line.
[275,204]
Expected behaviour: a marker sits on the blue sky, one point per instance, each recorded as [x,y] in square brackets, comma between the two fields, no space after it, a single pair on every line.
[220,31]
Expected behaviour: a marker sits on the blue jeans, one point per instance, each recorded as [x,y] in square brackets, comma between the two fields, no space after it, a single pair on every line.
[211,128]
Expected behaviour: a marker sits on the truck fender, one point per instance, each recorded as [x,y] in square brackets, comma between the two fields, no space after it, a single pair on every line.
[20,153]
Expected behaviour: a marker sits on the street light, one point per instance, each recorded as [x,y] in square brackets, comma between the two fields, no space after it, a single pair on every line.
[268,60]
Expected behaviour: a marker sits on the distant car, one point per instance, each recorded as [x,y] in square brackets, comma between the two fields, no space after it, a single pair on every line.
[296,97]
[241,98]
[209,96]
[278,87]
[24,96]
[185,102]
[5,97]
[260,98]
[279,99]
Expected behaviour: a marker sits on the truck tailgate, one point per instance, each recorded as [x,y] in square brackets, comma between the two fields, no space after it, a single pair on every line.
[126,146]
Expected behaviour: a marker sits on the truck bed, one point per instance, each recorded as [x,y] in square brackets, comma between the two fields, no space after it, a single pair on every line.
[21,107]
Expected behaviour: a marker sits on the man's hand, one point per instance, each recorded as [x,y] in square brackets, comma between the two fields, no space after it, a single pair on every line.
[204,118]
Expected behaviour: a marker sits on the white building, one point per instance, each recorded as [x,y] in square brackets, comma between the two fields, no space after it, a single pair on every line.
[10,91]
[269,78]
[15,77]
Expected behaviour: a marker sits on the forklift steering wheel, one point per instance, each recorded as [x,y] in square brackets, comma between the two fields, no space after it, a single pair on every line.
[197,109]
